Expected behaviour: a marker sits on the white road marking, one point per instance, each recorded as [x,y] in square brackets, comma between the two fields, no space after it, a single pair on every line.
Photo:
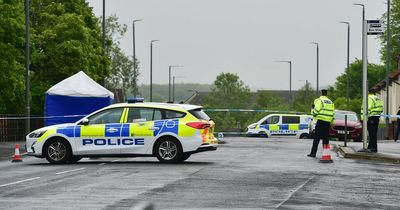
[63,172]
[115,160]
[102,164]
[298,188]
[17,182]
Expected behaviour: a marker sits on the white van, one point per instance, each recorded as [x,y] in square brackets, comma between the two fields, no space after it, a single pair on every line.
[281,125]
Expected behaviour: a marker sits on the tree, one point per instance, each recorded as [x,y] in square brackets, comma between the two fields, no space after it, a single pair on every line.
[122,73]
[270,101]
[12,58]
[304,98]
[394,51]
[375,74]
[66,39]
[229,92]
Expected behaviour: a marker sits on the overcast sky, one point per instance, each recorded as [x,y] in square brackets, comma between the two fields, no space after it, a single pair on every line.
[245,37]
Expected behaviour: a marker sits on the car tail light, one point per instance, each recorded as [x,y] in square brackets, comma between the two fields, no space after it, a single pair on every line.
[198,125]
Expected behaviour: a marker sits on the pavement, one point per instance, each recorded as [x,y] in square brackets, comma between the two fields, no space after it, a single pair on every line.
[388,151]
[7,149]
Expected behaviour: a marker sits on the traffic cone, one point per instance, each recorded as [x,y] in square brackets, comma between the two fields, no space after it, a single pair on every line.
[17,156]
[326,154]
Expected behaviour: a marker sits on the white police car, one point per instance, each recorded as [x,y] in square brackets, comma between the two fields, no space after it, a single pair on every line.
[171,132]
[281,125]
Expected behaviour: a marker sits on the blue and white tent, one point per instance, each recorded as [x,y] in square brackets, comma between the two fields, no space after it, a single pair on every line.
[76,95]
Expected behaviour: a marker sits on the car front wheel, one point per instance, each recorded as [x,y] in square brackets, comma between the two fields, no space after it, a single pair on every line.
[57,151]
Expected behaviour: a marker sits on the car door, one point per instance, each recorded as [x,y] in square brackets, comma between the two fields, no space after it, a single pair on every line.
[139,127]
[271,125]
[101,133]
[290,125]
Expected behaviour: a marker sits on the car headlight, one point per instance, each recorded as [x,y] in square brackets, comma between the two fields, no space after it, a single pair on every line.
[358,126]
[37,134]
[252,127]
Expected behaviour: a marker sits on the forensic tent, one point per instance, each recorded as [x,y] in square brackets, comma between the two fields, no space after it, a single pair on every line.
[75,96]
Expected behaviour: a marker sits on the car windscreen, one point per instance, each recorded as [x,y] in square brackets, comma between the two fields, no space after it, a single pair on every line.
[350,116]
[199,114]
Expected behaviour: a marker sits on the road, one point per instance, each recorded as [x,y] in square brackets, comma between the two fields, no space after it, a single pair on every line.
[245,173]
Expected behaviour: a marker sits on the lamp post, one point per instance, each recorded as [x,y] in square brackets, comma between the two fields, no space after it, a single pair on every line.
[387,66]
[103,26]
[364,78]
[173,87]
[348,64]
[134,57]
[151,68]
[306,91]
[316,43]
[27,84]
[290,80]
[169,80]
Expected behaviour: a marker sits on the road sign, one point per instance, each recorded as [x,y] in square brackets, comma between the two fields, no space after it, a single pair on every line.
[374,27]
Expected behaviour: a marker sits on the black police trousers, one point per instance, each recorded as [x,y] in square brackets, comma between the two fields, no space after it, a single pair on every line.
[372,126]
[321,132]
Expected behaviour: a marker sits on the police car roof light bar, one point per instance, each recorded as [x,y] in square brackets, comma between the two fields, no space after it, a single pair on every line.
[135,100]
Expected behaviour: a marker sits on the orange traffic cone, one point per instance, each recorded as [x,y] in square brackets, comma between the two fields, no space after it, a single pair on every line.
[17,156]
[326,154]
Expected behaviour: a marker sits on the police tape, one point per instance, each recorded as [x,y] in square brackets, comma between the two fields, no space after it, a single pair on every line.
[254,110]
[40,117]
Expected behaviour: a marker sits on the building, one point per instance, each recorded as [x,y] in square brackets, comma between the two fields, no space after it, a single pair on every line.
[394,93]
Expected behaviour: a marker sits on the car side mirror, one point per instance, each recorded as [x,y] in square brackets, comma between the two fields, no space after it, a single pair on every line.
[85,121]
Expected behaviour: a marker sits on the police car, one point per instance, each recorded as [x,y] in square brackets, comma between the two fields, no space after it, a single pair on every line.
[171,132]
[281,125]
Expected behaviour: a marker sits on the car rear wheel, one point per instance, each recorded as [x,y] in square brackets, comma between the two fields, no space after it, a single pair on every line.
[304,136]
[57,151]
[168,151]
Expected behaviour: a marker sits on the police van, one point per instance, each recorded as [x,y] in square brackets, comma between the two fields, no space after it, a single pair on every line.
[171,132]
[281,125]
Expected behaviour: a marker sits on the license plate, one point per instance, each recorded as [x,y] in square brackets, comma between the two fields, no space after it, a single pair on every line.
[342,132]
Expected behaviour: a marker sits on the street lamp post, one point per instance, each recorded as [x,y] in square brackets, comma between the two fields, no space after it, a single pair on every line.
[316,43]
[364,80]
[173,87]
[306,92]
[169,80]
[290,80]
[387,66]
[151,69]
[27,79]
[348,65]
[134,57]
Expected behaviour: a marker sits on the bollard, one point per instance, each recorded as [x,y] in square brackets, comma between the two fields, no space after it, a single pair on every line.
[345,130]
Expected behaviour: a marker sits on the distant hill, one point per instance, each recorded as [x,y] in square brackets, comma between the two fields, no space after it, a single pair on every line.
[183,91]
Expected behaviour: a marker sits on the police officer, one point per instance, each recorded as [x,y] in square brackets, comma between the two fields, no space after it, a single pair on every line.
[375,108]
[323,112]
[398,126]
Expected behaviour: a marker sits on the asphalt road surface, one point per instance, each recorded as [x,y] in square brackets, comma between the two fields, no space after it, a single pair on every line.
[245,173]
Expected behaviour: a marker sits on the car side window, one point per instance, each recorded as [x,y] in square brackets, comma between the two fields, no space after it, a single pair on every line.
[140,114]
[106,116]
[169,114]
[271,120]
[290,119]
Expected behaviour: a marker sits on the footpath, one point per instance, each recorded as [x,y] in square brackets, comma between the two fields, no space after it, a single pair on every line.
[388,151]
[7,149]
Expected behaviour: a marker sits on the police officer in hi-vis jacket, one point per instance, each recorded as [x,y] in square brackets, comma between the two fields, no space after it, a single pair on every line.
[323,112]
[375,108]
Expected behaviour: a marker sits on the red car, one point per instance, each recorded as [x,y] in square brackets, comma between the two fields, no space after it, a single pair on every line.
[354,126]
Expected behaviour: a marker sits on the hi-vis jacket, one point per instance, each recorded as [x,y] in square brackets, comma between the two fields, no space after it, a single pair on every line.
[375,106]
[323,109]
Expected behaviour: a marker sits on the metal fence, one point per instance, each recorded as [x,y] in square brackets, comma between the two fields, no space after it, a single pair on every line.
[12,127]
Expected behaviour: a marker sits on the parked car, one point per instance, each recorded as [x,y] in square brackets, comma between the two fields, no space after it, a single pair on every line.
[337,130]
[354,126]
[281,125]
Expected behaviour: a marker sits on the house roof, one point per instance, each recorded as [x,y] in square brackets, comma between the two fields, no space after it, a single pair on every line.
[381,85]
